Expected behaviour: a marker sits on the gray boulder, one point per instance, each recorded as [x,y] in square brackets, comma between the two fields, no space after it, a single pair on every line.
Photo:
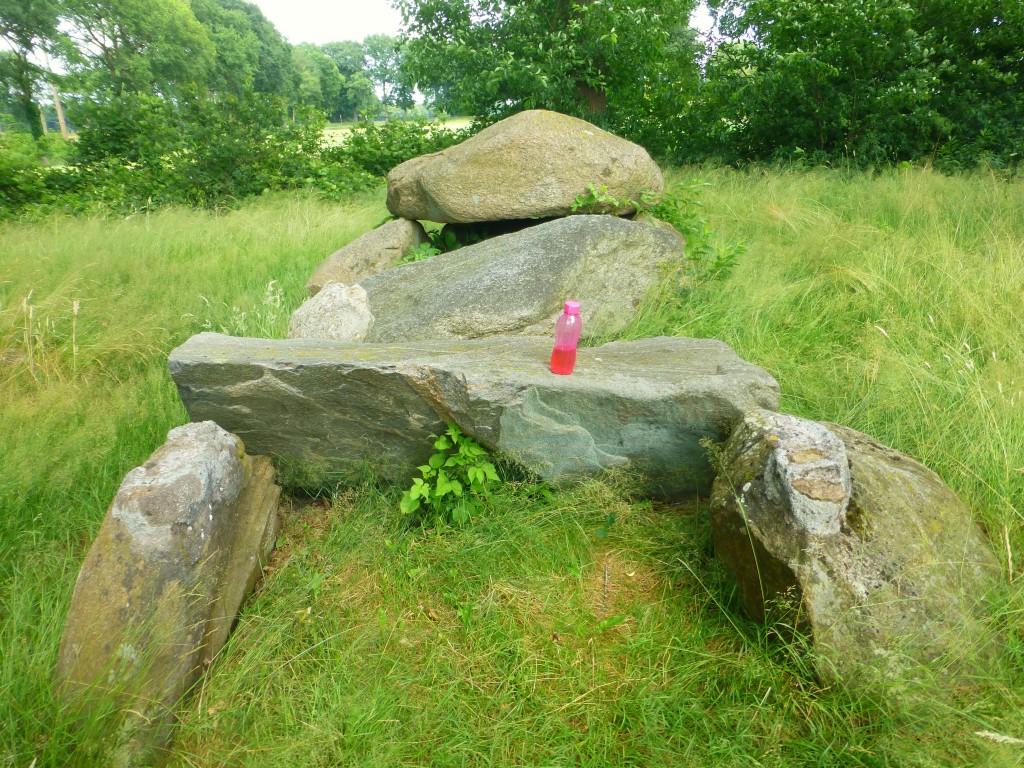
[517,284]
[862,547]
[340,312]
[181,546]
[369,254]
[643,406]
[533,164]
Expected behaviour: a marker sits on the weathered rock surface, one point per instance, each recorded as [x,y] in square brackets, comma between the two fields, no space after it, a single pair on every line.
[367,255]
[517,284]
[339,312]
[864,547]
[532,164]
[643,405]
[181,545]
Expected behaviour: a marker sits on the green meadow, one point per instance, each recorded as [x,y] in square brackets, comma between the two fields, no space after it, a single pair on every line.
[586,628]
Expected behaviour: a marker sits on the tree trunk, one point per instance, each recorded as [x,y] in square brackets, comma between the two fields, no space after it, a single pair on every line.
[60,111]
[42,120]
[597,101]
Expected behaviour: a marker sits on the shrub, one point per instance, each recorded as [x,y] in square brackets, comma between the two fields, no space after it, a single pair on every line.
[377,148]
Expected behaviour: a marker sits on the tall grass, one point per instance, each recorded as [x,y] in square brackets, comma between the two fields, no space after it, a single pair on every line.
[89,309]
[890,303]
[590,628]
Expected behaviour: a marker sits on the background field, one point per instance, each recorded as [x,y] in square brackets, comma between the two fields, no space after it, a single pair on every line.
[590,628]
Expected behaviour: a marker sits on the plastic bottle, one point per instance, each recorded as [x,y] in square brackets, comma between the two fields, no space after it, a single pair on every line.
[567,336]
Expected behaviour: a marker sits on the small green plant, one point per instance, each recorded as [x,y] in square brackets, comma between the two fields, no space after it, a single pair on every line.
[596,200]
[681,207]
[454,480]
[421,252]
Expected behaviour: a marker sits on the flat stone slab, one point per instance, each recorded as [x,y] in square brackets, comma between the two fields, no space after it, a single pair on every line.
[643,406]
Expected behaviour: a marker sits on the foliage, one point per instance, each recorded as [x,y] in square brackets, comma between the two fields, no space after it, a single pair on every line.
[250,54]
[454,482]
[379,147]
[319,82]
[383,68]
[683,209]
[421,252]
[141,151]
[25,28]
[619,62]
[137,46]
[894,81]
[679,207]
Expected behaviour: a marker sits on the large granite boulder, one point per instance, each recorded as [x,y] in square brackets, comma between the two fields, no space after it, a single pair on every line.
[377,250]
[533,164]
[644,406]
[870,552]
[181,546]
[517,284]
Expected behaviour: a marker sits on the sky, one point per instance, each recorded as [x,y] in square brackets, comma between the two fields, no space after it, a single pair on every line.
[319,22]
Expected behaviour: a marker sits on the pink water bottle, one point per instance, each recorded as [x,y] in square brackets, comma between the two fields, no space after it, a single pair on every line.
[567,336]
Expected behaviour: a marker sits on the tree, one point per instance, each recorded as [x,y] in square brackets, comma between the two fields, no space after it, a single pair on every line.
[140,46]
[383,67]
[26,27]
[249,52]
[318,81]
[357,92]
[871,81]
[621,62]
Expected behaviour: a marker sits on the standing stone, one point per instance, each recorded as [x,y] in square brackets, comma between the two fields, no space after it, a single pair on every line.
[377,250]
[181,546]
[866,549]
[517,284]
[643,406]
[533,164]
[339,312]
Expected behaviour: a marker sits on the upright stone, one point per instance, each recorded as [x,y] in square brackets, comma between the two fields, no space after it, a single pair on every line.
[182,544]
[533,164]
[644,406]
[377,250]
[861,546]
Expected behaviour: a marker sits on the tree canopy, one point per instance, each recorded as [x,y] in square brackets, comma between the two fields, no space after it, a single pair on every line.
[871,81]
[615,61]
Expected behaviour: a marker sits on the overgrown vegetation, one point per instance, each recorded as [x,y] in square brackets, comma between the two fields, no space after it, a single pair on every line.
[586,627]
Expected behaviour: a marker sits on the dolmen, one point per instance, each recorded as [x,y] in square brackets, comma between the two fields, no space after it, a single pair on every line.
[827,533]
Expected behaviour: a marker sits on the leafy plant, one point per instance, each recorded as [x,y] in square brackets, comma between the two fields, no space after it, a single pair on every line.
[596,200]
[419,253]
[377,148]
[454,480]
[682,208]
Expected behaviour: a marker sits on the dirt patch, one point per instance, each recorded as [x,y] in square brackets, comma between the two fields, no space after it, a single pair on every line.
[617,583]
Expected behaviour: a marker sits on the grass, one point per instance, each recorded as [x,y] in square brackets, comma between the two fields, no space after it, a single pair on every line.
[541,634]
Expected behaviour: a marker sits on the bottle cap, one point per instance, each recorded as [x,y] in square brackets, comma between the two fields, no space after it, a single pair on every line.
[572,307]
